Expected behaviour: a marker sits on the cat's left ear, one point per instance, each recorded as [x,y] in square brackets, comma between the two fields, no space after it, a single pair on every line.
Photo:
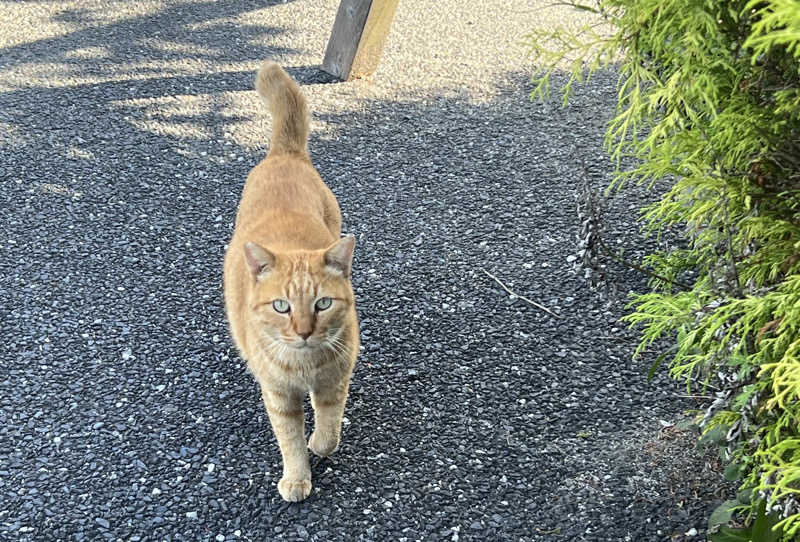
[339,257]
[259,260]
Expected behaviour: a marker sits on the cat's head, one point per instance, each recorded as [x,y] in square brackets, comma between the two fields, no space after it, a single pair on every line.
[302,299]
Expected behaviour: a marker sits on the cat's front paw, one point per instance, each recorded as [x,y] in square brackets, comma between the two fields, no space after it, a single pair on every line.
[294,490]
[323,446]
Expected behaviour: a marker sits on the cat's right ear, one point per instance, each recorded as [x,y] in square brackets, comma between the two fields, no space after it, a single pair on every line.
[259,260]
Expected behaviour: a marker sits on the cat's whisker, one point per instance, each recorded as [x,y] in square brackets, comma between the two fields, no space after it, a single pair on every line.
[337,345]
[332,347]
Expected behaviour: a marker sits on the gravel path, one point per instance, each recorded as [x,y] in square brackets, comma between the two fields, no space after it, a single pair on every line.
[126,131]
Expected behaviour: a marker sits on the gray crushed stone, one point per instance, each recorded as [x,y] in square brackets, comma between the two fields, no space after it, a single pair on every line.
[127,129]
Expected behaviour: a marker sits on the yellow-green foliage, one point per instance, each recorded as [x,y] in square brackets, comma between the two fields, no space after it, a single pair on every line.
[709,98]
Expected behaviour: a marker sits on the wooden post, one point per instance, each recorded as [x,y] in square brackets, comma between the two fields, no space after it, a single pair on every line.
[358,36]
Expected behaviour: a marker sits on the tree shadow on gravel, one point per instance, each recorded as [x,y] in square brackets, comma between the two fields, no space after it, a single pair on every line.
[88,119]
[182,31]
[470,412]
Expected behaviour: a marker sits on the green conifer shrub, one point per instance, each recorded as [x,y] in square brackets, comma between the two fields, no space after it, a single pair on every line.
[709,99]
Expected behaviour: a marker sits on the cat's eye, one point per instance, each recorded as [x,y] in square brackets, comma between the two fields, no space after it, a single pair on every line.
[323,303]
[281,306]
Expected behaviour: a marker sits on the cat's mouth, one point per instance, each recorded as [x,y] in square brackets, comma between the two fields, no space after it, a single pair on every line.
[304,346]
[313,344]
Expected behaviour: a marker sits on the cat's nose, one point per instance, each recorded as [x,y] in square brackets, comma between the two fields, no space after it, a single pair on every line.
[305,335]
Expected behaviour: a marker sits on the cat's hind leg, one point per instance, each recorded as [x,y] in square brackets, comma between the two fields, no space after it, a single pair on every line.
[328,406]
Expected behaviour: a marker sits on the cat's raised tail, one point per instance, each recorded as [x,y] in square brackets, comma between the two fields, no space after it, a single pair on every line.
[286,103]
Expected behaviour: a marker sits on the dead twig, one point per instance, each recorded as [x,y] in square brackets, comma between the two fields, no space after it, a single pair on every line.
[522,297]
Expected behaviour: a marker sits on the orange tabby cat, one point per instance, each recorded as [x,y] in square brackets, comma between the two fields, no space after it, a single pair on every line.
[287,288]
